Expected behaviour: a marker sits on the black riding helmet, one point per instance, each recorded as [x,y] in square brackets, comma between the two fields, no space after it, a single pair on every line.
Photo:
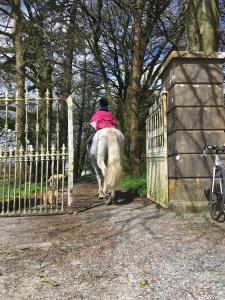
[103,102]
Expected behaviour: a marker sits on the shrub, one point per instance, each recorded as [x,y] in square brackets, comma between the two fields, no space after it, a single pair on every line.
[135,185]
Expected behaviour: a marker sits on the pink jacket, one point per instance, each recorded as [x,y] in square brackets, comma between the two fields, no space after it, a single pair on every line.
[103,119]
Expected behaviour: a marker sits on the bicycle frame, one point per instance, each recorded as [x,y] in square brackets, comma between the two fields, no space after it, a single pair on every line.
[216,197]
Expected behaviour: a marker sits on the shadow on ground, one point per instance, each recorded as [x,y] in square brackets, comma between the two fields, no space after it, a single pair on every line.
[85,196]
[125,197]
[108,252]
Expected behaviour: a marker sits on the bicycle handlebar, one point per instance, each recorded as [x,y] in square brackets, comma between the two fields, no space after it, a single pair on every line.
[213,147]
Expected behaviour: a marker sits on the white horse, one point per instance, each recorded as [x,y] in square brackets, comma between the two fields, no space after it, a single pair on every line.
[106,158]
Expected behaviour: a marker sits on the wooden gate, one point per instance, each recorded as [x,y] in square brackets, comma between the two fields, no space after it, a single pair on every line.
[156,152]
[36,178]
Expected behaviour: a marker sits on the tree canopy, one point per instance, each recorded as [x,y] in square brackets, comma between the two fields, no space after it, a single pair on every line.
[89,48]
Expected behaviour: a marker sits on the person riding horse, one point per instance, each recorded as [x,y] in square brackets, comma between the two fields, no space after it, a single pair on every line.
[105,150]
[102,118]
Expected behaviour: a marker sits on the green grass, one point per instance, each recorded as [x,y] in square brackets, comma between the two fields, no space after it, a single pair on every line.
[135,185]
[22,190]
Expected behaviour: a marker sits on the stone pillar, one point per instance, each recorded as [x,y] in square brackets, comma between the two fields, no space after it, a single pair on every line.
[196,116]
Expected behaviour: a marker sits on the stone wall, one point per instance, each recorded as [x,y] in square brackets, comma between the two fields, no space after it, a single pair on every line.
[196,116]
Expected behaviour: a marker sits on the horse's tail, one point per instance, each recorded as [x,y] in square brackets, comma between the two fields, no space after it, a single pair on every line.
[114,168]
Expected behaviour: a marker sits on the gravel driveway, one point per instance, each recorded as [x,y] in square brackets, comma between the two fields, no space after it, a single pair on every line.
[128,251]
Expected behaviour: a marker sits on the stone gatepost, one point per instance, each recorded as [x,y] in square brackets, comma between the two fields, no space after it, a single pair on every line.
[196,116]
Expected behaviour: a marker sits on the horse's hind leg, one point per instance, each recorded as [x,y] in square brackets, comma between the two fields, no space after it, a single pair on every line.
[99,179]
[108,196]
[103,168]
[100,185]
[100,191]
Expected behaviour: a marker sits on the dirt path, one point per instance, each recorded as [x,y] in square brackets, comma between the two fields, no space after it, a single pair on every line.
[127,251]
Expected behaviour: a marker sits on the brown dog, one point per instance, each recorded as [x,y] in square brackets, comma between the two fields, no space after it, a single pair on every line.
[50,197]
[53,179]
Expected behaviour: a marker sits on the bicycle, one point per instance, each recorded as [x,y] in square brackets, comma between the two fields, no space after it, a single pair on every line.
[217,191]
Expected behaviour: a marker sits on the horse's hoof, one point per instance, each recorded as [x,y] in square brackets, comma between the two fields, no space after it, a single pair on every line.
[101,195]
[108,200]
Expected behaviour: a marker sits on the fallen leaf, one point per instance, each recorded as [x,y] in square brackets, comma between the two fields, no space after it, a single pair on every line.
[156,278]
[50,281]
[143,282]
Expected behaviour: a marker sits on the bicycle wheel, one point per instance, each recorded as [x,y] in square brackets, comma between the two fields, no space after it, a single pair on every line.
[216,201]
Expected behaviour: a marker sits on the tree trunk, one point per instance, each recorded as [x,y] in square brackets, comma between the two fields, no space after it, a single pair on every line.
[66,91]
[20,73]
[202,25]
[45,83]
[67,75]
[135,91]
[80,124]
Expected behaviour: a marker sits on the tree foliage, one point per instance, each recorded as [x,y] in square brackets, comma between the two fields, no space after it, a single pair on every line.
[88,48]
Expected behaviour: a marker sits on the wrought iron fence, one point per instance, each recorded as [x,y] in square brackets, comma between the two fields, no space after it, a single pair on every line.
[35,179]
[156,151]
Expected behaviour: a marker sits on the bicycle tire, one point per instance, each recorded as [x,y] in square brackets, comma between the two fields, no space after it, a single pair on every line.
[223,187]
[216,200]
